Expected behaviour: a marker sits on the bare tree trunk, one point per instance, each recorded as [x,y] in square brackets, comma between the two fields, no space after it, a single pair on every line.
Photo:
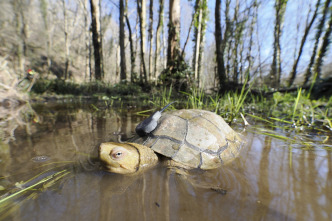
[90,57]
[201,55]
[199,33]
[259,53]
[87,71]
[133,76]
[236,42]
[150,39]
[158,36]
[240,21]
[95,23]
[66,39]
[44,12]
[219,49]
[317,38]
[197,39]
[226,44]
[275,73]
[164,45]
[323,49]
[141,8]
[252,27]
[304,38]
[173,52]
[22,29]
[123,76]
[240,69]
[117,61]
[101,42]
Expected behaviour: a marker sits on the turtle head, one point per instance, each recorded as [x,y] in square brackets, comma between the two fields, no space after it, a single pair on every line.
[125,158]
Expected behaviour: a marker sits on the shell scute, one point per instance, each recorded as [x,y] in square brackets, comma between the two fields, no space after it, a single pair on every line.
[202,138]
[164,146]
[188,156]
[171,126]
[210,161]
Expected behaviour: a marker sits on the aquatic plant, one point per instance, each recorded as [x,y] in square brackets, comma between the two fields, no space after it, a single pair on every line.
[29,189]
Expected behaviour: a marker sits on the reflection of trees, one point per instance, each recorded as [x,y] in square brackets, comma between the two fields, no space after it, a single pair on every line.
[312,187]
[5,160]
[14,104]
[328,183]
[264,194]
[12,118]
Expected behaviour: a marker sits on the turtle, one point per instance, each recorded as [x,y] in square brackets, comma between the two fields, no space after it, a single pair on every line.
[186,138]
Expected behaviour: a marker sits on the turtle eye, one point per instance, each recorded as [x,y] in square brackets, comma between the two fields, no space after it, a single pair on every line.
[118,154]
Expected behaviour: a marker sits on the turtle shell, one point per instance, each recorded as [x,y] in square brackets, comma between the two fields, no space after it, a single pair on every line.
[195,138]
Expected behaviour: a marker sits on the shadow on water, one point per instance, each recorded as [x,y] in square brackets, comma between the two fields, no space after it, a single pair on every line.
[269,181]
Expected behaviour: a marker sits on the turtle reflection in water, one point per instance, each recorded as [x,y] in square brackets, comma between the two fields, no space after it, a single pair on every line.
[182,138]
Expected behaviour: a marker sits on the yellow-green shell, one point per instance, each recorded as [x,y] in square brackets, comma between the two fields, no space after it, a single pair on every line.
[195,138]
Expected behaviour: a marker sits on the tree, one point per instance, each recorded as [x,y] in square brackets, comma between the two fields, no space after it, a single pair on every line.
[173,50]
[304,38]
[96,39]
[44,11]
[22,29]
[219,48]
[141,8]
[238,30]
[132,51]
[319,32]
[65,30]
[200,17]
[158,36]
[228,35]
[323,49]
[87,51]
[253,17]
[275,73]
[122,37]
[150,38]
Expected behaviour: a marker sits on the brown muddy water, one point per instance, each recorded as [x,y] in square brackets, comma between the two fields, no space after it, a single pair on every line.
[270,180]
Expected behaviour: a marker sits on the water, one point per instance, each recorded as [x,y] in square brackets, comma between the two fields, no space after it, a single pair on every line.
[268,181]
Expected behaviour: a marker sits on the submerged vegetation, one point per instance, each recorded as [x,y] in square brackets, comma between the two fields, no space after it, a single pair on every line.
[25,191]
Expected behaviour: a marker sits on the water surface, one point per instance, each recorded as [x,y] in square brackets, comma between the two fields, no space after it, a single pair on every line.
[270,180]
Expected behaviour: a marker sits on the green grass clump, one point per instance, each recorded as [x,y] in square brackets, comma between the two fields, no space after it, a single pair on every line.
[295,111]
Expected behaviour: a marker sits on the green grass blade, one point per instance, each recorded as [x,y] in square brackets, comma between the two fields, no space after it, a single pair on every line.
[260,118]
[296,103]
[281,120]
[44,180]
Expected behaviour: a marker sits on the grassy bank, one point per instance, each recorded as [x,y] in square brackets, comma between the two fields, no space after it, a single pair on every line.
[291,109]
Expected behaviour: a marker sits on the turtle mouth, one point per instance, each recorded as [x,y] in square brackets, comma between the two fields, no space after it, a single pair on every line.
[112,166]
[108,165]
[105,166]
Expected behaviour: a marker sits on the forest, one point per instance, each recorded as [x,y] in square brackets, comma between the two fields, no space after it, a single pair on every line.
[215,45]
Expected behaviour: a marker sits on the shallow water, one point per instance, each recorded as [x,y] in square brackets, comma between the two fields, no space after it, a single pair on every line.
[268,181]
